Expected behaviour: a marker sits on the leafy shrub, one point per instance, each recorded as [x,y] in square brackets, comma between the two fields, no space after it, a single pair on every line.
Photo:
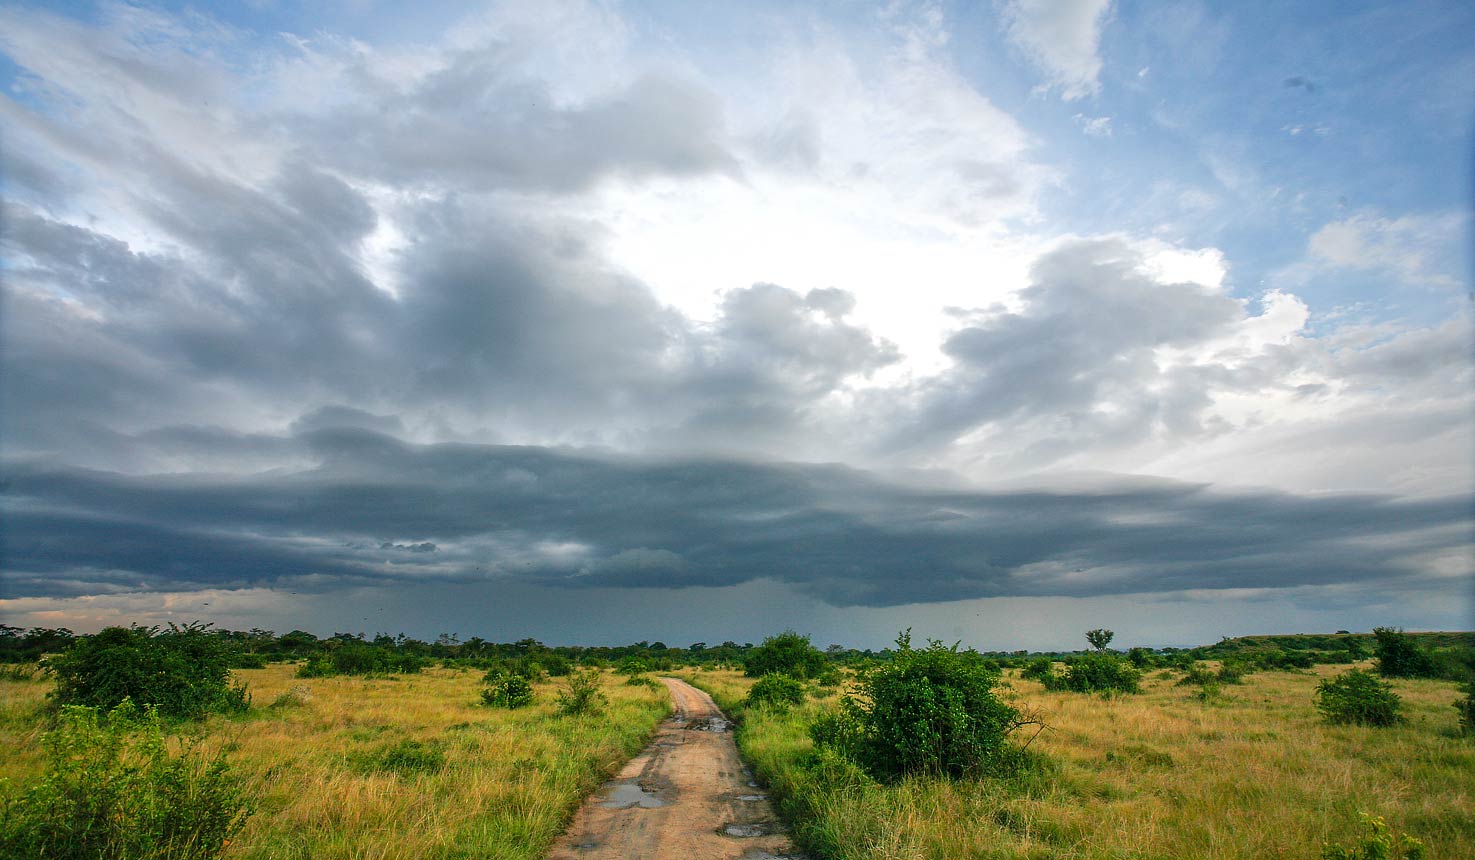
[1141,658]
[643,681]
[632,665]
[788,653]
[1097,672]
[1197,675]
[183,671]
[406,757]
[1038,669]
[1379,843]
[1359,698]
[508,691]
[779,692]
[293,698]
[113,792]
[1400,657]
[583,695]
[930,711]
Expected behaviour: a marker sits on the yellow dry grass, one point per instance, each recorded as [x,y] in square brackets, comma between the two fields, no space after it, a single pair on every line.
[1253,774]
[509,783]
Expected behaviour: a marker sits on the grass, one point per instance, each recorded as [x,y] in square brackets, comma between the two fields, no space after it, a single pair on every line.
[1253,773]
[384,769]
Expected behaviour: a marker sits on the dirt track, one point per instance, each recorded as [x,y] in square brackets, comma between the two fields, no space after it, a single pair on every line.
[687,796]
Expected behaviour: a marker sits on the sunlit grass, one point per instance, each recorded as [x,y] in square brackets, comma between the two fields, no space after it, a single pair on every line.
[1253,774]
[506,784]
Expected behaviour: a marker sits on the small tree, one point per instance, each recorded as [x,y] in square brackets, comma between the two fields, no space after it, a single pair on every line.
[1097,672]
[788,653]
[583,695]
[1099,638]
[183,671]
[930,711]
[508,691]
[1400,657]
[1359,698]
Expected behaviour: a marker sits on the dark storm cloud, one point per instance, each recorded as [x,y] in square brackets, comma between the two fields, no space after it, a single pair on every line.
[375,506]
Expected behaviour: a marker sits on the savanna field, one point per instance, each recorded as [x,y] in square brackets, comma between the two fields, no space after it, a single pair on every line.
[433,764]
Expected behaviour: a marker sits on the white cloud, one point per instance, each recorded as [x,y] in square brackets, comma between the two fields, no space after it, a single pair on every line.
[1094,126]
[1063,37]
[1415,248]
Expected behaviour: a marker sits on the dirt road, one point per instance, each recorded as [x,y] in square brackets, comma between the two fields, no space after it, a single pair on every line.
[687,796]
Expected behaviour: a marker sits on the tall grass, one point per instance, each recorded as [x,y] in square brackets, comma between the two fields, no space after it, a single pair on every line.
[394,769]
[1253,773]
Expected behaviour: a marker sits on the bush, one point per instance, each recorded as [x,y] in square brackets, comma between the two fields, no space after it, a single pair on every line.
[642,681]
[184,672]
[929,711]
[1379,843]
[508,691]
[788,653]
[1097,672]
[113,792]
[632,665]
[582,696]
[1400,657]
[779,692]
[1359,698]
[1038,669]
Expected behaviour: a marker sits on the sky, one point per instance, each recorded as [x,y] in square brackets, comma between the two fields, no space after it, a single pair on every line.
[682,321]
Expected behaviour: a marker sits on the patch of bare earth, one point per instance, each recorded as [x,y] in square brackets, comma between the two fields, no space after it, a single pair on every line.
[687,796]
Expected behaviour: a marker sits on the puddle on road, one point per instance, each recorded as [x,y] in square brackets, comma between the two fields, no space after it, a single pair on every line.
[745,831]
[629,795]
[711,724]
[752,798]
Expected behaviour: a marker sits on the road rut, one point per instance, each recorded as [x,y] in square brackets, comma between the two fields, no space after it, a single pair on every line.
[687,796]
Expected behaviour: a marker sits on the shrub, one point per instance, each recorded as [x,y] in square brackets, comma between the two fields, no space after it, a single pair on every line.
[508,691]
[632,665]
[930,711]
[1359,698]
[184,671]
[112,792]
[1141,658]
[642,681]
[582,695]
[1097,672]
[1400,657]
[788,653]
[1379,843]
[778,692]
[1038,669]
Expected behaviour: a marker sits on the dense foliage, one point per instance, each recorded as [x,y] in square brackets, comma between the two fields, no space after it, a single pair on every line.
[930,711]
[507,691]
[776,691]
[1096,672]
[112,791]
[1378,843]
[183,671]
[1400,657]
[788,653]
[1359,698]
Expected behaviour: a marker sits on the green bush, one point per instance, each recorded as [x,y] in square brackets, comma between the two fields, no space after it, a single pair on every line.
[642,681]
[112,791]
[1096,672]
[183,671]
[1038,669]
[1400,657]
[508,691]
[583,695]
[1379,843]
[632,665]
[779,692]
[1359,698]
[788,653]
[929,711]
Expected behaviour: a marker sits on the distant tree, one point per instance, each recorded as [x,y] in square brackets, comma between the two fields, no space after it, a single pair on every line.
[1099,638]
[1399,657]
[788,653]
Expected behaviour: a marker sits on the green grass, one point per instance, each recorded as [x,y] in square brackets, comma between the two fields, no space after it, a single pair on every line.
[1255,773]
[378,769]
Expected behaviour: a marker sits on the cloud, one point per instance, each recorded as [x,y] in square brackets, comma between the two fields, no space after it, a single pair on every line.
[1415,249]
[374,508]
[1062,38]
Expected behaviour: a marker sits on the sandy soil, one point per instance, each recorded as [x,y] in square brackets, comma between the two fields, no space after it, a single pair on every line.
[687,796]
